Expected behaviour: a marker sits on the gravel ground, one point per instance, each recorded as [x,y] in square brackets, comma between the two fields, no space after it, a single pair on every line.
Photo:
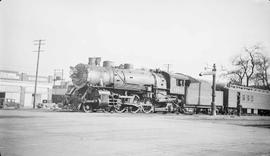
[43,133]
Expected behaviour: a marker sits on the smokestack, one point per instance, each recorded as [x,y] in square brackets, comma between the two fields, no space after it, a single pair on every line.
[92,61]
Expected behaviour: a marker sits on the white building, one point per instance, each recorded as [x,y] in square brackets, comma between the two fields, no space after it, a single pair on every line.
[20,87]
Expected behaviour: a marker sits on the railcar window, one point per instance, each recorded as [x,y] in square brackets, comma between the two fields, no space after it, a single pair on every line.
[243,97]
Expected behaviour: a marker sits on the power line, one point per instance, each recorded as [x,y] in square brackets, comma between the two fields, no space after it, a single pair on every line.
[39,43]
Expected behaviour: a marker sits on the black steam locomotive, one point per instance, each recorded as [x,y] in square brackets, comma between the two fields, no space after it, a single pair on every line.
[123,88]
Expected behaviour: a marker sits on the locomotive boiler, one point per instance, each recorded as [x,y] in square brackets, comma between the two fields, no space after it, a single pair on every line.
[122,88]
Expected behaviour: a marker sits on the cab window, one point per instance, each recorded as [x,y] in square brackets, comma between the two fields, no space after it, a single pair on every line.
[179,82]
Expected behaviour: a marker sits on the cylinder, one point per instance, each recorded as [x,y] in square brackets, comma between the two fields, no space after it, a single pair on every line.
[107,64]
[128,66]
[92,61]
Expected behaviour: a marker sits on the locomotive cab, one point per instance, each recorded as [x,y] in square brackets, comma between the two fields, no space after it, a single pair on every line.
[176,83]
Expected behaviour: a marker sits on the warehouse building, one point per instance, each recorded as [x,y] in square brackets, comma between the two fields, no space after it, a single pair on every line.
[59,91]
[20,88]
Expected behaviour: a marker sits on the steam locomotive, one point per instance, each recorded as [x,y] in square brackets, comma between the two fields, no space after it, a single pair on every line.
[122,88]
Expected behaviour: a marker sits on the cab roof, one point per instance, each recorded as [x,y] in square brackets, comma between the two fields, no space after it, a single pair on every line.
[180,76]
[184,77]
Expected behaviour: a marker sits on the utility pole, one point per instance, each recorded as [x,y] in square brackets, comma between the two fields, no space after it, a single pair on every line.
[213,104]
[39,43]
[213,73]
[168,67]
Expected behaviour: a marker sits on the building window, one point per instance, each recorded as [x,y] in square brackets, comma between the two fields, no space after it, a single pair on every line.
[251,98]
[248,98]
[243,97]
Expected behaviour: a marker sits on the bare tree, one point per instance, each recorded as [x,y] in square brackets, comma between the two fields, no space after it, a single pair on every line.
[250,62]
[262,67]
[237,75]
[249,67]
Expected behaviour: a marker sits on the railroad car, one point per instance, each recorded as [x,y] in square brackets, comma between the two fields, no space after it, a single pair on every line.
[251,100]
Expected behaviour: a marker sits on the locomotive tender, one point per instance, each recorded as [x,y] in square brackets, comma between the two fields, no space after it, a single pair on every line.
[124,88]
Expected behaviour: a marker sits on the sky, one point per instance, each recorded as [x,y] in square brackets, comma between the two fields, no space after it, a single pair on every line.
[188,34]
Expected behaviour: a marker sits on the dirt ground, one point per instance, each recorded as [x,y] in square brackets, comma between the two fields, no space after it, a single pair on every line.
[43,133]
